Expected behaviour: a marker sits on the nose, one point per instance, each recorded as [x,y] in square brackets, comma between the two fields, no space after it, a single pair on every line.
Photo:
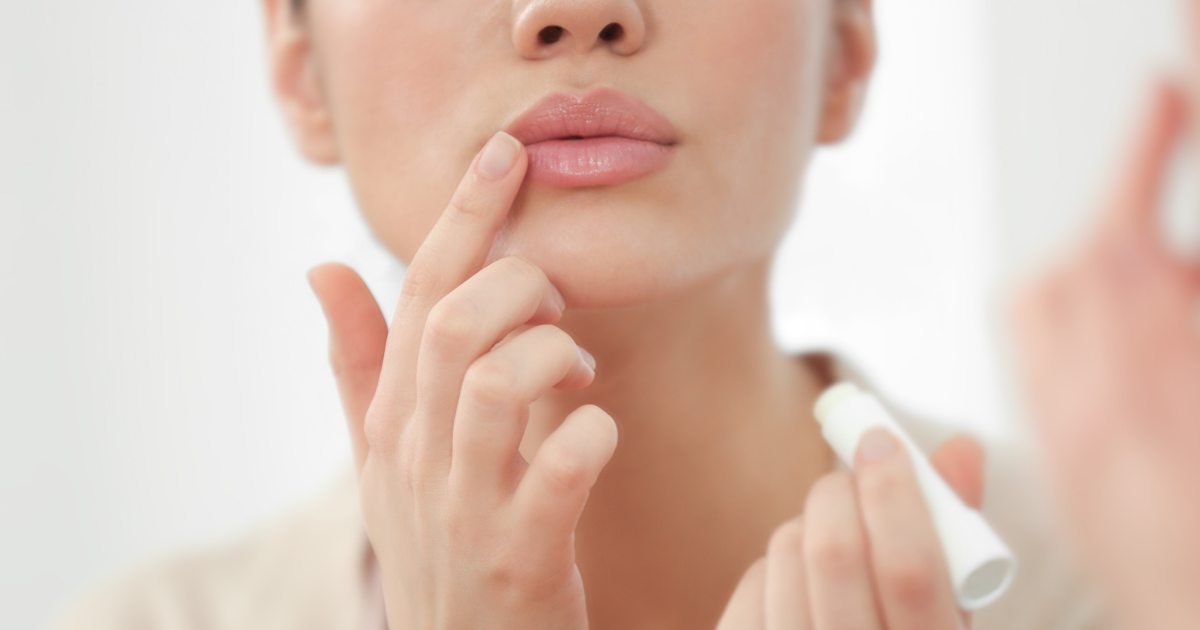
[544,28]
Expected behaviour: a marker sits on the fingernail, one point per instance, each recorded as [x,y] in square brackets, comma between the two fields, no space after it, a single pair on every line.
[587,358]
[557,296]
[499,155]
[876,445]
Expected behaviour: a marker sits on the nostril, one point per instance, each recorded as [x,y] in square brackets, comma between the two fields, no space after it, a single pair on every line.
[612,32]
[550,34]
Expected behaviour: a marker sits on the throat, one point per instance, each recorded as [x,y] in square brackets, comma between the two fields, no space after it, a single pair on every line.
[717,447]
[679,516]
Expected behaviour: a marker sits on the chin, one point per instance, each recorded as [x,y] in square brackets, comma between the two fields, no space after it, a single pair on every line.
[611,248]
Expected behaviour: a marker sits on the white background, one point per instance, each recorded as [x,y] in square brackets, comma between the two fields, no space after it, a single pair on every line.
[162,369]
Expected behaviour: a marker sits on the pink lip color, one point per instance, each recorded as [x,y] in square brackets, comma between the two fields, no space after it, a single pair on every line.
[602,138]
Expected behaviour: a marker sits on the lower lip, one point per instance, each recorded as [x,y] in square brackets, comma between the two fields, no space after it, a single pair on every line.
[601,161]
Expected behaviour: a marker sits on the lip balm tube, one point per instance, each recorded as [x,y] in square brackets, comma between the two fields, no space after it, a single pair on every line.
[981,567]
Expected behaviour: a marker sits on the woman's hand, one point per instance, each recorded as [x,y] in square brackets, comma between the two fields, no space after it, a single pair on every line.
[864,555]
[466,532]
[1110,346]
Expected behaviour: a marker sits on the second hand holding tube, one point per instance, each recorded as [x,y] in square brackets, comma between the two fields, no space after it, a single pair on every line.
[980,564]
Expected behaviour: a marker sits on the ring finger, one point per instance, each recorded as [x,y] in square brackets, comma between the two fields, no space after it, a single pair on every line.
[464,326]
[494,406]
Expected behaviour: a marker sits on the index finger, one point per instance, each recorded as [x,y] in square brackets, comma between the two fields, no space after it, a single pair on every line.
[911,577]
[455,249]
[1140,195]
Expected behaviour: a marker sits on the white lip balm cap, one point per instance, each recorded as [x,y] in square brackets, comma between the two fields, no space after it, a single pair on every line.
[981,566]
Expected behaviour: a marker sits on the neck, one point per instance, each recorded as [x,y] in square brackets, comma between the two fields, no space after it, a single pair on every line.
[717,447]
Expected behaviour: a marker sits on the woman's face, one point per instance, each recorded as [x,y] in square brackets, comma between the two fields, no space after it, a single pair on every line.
[403,93]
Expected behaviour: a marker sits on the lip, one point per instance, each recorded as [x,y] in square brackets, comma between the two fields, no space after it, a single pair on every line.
[601,138]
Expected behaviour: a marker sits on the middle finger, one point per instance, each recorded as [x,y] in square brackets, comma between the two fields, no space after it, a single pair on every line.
[837,559]
[464,326]
[494,406]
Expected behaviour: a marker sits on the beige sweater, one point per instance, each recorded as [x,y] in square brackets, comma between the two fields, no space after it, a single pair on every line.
[314,570]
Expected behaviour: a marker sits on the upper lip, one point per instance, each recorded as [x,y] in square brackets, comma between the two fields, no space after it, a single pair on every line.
[601,112]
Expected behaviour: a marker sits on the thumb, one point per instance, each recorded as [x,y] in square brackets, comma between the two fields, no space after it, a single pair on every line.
[959,461]
[357,337]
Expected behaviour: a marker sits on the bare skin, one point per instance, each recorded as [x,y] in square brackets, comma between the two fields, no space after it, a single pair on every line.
[1110,346]
[478,518]
[863,553]
[481,430]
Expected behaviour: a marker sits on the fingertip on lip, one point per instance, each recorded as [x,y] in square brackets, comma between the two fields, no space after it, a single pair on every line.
[499,155]
[511,138]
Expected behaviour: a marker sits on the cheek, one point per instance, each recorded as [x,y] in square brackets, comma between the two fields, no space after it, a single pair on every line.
[416,88]
[750,85]
[403,91]
[762,79]
[757,57]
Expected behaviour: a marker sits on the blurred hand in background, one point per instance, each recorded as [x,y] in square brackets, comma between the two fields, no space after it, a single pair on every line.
[1109,343]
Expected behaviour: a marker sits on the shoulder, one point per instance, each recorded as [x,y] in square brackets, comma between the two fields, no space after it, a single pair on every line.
[1049,592]
[306,570]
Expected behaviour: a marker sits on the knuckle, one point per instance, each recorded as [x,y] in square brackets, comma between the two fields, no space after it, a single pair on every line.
[524,269]
[557,339]
[1055,288]
[911,579]
[1026,300]
[832,545]
[880,485]
[561,337]
[450,324]
[605,434]
[829,489]
[419,281]
[459,526]
[349,365]
[513,571]
[491,382]
[466,207]
[835,552]
[498,572]
[597,415]
[787,540]
[411,468]
[564,471]
[377,430]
